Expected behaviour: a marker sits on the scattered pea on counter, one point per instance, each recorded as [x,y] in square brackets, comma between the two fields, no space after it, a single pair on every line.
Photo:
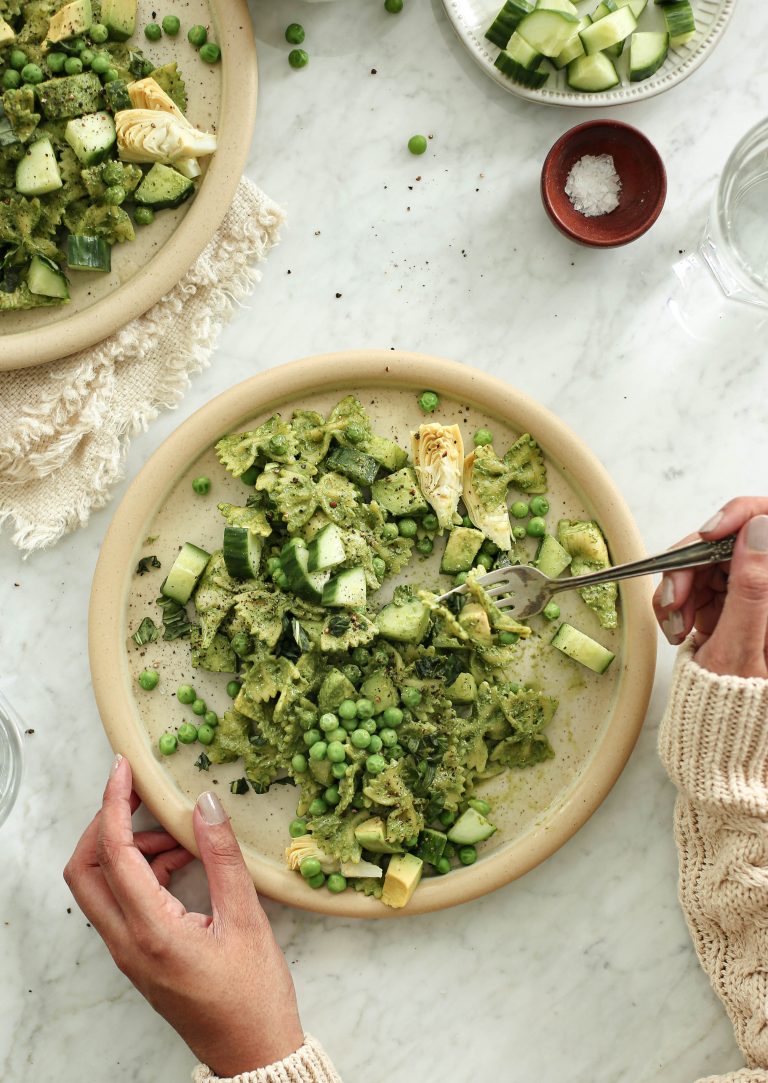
[417,144]
[394,7]
[298,58]
[294,34]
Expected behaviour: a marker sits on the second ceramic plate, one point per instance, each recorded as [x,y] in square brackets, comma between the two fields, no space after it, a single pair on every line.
[471,18]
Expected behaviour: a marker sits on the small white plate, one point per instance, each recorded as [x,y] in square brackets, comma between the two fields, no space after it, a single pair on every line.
[471,18]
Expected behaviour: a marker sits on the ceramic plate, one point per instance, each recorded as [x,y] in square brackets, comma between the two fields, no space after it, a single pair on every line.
[471,18]
[222,98]
[598,719]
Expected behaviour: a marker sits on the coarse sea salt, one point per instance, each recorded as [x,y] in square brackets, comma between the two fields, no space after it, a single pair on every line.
[593,185]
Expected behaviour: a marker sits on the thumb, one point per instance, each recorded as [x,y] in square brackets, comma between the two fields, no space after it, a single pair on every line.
[233,895]
[738,644]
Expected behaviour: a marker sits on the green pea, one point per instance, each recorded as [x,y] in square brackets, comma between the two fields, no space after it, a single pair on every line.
[278,445]
[294,34]
[110,75]
[482,437]
[392,717]
[331,795]
[551,611]
[282,580]
[311,737]
[98,33]
[352,672]
[430,523]
[297,828]
[197,35]
[202,485]
[479,805]
[338,770]
[380,657]
[368,724]
[508,638]
[520,509]
[17,59]
[410,697]
[539,505]
[298,58]
[328,722]
[490,547]
[425,546]
[149,679]
[167,744]
[347,709]
[56,62]
[466,521]
[408,528]
[316,881]
[210,53]
[355,433]
[299,764]
[87,56]
[394,7]
[317,807]
[310,867]
[459,579]
[187,733]
[389,531]
[32,73]
[536,527]
[365,709]
[242,644]
[199,707]
[211,718]
[388,737]
[115,195]
[519,532]
[428,400]
[467,855]
[442,866]
[349,724]
[233,689]
[73,65]
[77,45]
[112,172]
[484,560]
[185,694]
[336,883]
[375,764]
[336,752]
[417,144]
[206,734]
[397,752]
[273,565]
[11,79]
[447,818]
[360,738]
[318,751]
[171,25]
[379,567]
[376,744]
[449,851]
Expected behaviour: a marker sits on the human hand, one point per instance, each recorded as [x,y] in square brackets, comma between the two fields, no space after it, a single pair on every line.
[727,603]
[222,981]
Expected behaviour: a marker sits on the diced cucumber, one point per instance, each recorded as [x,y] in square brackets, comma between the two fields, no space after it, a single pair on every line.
[605,8]
[91,137]
[519,49]
[326,549]
[548,31]
[557,5]
[519,74]
[38,171]
[462,547]
[294,560]
[88,253]
[610,30]
[431,845]
[637,6]
[647,52]
[70,96]
[505,23]
[399,493]
[463,690]
[119,17]
[387,452]
[470,828]
[551,558]
[46,280]
[372,836]
[406,623]
[582,648]
[574,48]
[185,573]
[242,552]
[163,187]
[592,73]
[680,22]
[353,464]
[347,589]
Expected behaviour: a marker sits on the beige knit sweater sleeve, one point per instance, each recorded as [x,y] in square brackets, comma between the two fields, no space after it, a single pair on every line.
[309,1064]
[714,744]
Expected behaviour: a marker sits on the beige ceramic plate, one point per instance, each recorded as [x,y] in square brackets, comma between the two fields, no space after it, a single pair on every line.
[222,98]
[599,717]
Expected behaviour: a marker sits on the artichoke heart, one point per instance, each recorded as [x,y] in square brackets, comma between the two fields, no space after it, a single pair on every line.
[305,846]
[148,94]
[490,517]
[149,135]
[437,452]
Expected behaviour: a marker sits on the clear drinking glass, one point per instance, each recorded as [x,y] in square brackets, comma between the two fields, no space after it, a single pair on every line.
[10,757]
[735,243]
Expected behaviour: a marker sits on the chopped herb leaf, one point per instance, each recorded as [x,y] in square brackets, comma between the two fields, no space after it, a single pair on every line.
[147,632]
[146,563]
[202,763]
[239,786]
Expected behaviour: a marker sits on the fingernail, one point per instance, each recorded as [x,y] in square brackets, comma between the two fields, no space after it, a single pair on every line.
[115,764]
[672,627]
[667,596]
[211,809]
[711,523]
[757,534]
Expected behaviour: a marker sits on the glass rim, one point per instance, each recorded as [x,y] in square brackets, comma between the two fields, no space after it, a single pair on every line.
[10,735]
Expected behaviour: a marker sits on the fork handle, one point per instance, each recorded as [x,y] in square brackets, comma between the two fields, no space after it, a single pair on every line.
[689,556]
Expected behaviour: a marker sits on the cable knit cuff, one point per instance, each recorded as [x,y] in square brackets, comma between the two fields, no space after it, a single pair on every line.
[310,1064]
[714,736]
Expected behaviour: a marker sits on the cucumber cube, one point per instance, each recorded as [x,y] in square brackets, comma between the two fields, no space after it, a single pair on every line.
[91,137]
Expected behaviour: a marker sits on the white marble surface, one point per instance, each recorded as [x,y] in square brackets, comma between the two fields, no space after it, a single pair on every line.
[583,970]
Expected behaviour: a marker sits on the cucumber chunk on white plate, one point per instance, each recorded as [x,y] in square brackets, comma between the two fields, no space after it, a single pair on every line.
[647,52]
[680,22]
[592,73]
[582,648]
[548,31]
[501,30]
[185,573]
[611,30]
[557,5]
[574,48]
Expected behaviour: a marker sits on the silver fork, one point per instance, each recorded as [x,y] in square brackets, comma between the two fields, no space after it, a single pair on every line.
[528,590]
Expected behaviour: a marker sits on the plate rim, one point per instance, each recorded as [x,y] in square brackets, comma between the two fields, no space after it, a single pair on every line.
[624,95]
[350,369]
[239,82]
